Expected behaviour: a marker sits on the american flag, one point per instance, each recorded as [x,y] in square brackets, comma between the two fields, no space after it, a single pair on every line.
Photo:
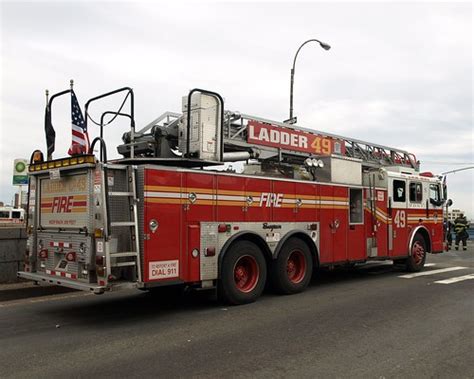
[80,139]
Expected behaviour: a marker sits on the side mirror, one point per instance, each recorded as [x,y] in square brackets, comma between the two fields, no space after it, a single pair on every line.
[445,192]
[449,203]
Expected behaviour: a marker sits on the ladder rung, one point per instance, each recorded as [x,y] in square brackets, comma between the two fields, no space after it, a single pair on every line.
[128,194]
[123,264]
[122,223]
[124,254]
[114,166]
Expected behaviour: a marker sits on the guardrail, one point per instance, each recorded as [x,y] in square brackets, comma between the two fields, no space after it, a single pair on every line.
[12,251]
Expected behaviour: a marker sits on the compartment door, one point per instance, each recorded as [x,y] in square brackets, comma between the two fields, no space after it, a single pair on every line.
[334,209]
[340,223]
[163,205]
[397,218]
[356,249]
[199,205]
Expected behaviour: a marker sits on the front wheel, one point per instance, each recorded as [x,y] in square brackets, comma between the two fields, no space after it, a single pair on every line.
[243,273]
[416,261]
[291,271]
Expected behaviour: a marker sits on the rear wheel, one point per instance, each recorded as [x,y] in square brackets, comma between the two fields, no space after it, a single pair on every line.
[291,271]
[416,260]
[243,273]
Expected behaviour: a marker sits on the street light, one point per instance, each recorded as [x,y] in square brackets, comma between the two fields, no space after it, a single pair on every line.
[325,46]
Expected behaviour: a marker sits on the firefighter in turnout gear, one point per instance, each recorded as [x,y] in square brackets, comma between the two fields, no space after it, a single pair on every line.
[448,227]
[460,228]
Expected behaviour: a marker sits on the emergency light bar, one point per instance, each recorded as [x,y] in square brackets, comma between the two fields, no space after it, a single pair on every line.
[64,162]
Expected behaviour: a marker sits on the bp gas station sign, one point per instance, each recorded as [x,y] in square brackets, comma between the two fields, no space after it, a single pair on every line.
[20,172]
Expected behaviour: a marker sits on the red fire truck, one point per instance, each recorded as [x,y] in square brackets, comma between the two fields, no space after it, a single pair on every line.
[173,211]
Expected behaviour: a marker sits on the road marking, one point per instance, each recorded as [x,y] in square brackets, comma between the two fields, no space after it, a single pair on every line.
[456,279]
[432,272]
[388,263]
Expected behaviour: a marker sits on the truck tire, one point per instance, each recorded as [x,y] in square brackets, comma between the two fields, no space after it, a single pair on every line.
[291,271]
[243,274]
[416,261]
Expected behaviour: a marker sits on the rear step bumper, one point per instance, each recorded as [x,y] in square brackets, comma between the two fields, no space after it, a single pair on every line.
[44,278]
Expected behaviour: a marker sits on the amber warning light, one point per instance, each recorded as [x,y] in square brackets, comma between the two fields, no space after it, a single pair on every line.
[65,162]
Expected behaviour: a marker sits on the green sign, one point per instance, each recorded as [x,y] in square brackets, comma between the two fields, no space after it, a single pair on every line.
[20,172]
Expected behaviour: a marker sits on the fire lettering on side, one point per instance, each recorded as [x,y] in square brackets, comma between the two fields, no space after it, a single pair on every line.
[62,204]
[271,199]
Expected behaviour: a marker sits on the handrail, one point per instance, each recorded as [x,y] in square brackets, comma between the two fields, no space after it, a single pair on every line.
[132,126]
[106,182]
[50,102]
[102,144]
[132,109]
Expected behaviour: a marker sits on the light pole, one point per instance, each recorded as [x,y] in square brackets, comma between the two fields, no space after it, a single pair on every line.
[457,170]
[325,46]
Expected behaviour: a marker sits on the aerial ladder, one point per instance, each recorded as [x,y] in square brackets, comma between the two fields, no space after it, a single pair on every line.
[205,134]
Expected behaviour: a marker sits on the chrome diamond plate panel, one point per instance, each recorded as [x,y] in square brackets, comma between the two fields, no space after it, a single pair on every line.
[272,233]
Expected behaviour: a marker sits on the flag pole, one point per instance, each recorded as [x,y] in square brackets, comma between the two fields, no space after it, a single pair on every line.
[48,156]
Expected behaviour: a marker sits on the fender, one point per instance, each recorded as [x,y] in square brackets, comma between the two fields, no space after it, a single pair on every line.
[254,236]
[290,234]
[412,236]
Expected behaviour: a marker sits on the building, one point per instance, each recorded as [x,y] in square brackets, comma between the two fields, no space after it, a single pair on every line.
[454,213]
[20,203]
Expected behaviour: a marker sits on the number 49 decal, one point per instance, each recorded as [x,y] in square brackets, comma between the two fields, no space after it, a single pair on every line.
[400,219]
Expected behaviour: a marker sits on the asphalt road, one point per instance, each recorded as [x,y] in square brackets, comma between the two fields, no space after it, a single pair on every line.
[368,322]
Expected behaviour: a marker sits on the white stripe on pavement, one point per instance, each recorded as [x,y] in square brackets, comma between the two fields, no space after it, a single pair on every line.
[432,272]
[388,263]
[456,279]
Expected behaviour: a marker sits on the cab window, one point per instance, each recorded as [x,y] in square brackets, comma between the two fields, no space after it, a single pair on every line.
[16,214]
[399,191]
[416,192]
[435,192]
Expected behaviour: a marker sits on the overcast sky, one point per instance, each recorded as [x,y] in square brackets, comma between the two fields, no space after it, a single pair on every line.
[397,74]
